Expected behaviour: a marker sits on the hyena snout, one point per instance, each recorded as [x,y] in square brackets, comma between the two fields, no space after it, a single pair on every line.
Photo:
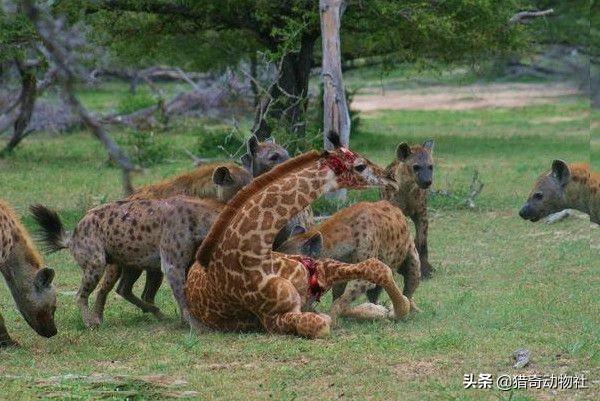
[528,213]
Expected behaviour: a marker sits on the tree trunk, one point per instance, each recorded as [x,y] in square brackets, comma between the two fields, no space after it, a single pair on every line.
[336,116]
[289,96]
[26,102]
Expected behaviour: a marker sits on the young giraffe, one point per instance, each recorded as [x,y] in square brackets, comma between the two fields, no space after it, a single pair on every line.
[29,282]
[359,232]
[565,186]
[137,234]
[413,170]
[239,283]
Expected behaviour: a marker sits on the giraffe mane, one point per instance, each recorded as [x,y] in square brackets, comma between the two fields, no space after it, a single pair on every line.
[31,253]
[233,207]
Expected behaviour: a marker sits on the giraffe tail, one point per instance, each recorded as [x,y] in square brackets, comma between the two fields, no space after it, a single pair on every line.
[52,232]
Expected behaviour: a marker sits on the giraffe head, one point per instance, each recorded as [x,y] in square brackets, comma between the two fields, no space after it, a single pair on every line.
[263,156]
[548,193]
[351,170]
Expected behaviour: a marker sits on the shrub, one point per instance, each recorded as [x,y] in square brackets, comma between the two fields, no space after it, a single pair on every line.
[146,148]
[220,141]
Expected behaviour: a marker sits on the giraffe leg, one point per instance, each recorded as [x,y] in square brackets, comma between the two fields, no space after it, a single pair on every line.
[279,311]
[111,275]
[5,340]
[371,270]
[341,306]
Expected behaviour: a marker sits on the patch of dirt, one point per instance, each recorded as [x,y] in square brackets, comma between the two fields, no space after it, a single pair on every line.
[462,97]
[417,369]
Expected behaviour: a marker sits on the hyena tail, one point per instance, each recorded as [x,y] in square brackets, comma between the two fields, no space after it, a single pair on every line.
[52,232]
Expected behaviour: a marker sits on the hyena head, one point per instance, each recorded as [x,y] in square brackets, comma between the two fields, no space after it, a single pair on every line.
[36,300]
[299,242]
[418,161]
[230,181]
[548,193]
[263,156]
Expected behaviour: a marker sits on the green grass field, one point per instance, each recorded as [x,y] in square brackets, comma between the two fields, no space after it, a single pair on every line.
[501,283]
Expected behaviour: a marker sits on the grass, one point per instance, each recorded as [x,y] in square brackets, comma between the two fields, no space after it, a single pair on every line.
[501,283]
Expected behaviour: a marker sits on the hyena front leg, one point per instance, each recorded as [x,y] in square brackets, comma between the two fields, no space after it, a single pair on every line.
[5,339]
[175,269]
[371,270]
[111,275]
[411,271]
[421,221]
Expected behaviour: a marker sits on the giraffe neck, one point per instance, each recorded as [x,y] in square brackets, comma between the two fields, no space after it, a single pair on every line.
[251,231]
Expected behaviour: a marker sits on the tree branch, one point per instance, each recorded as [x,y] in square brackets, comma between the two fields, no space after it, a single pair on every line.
[525,17]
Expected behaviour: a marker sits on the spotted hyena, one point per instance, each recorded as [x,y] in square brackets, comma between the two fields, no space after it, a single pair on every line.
[135,234]
[564,186]
[362,231]
[30,283]
[413,170]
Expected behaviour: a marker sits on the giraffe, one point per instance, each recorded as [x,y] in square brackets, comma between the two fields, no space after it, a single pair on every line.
[239,283]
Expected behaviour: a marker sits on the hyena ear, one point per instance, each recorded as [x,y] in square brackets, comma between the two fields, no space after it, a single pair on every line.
[428,144]
[403,151]
[313,246]
[297,230]
[252,145]
[43,278]
[334,138]
[222,176]
[561,172]
[246,162]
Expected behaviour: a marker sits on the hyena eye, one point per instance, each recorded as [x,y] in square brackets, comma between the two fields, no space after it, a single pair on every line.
[538,196]
[430,167]
[416,167]
[274,158]
[360,168]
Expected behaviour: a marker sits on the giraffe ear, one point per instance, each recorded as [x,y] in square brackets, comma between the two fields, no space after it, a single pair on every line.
[297,230]
[561,172]
[222,176]
[403,151]
[252,145]
[313,246]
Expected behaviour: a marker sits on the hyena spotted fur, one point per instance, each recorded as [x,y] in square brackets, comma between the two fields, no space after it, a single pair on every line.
[354,234]
[134,234]
[565,186]
[29,282]
[413,171]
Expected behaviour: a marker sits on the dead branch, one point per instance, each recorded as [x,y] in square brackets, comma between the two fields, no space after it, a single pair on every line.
[525,17]
[49,33]
[474,190]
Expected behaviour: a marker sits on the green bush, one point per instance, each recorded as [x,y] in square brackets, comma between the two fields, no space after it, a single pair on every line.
[132,103]
[220,141]
[146,148]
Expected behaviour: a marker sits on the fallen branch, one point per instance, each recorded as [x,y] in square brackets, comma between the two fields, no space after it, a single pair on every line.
[525,17]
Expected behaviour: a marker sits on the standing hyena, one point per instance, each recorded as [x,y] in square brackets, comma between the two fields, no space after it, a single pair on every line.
[413,171]
[565,186]
[29,282]
[138,234]
[352,235]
